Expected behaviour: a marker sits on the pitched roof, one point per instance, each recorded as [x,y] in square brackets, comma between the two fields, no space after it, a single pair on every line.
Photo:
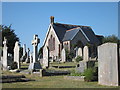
[61,29]
[69,35]
[66,32]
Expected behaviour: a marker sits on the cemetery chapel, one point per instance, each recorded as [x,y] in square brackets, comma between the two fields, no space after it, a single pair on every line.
[66,36]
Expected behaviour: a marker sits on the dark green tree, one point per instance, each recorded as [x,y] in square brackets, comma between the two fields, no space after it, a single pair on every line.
[111,38]
[11,37]
[40,53]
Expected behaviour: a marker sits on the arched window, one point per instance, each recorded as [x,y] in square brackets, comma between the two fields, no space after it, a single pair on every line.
[53,43]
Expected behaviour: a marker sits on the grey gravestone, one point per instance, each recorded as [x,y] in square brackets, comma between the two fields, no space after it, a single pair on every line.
[84,65]
[35,64]
[17,54]
[108,64]
[63,55]
[80,51]
[5,54]
[45,57]
[86,53]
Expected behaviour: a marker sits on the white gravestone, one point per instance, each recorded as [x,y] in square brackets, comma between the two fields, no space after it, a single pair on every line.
[108,64]
[17,54]
[31,57]
[45,57]
[5,54]
[63,55]
[28,59]
[24,49]
[80,51]
[86,53]
[35,64]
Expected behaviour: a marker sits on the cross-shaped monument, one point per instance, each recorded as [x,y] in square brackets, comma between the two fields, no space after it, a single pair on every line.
[35,64]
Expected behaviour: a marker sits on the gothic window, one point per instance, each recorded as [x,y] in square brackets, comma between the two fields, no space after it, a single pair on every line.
[51,43]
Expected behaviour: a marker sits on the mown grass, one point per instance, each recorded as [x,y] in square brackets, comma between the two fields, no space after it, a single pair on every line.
[50,81]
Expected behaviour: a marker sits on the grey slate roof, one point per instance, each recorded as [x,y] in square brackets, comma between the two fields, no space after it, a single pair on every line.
[69,35]
[61,29]
[66,32]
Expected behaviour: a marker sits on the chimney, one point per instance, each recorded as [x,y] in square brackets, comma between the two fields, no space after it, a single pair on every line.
[52,19]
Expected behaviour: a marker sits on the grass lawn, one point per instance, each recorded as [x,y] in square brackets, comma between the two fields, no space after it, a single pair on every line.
[50,82]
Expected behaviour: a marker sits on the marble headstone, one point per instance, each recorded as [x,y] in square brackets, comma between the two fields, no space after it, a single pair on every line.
[86,53]
[17,54]
[63,55]
[5,54]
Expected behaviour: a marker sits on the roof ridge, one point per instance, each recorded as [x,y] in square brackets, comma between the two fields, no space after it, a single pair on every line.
[72,29]
[72,25]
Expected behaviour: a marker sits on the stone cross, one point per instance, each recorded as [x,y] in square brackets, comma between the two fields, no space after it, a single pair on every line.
[86,53]
[35,64]
[5,42]
[17,54]
[35,43]
[63,55]
[5,54]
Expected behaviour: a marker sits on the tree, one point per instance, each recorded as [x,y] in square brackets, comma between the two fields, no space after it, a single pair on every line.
[41,52]
[11,37]
[111,38]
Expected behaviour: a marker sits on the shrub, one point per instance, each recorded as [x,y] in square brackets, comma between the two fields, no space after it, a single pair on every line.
[90,74]
[14,65]
[73,73]
[78,58]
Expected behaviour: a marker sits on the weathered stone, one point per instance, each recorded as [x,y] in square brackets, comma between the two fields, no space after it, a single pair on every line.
[63,55]
[24,49]
[80,51]
[35,64]
[108,64]
[31,57]
[86,53]
[5,54]
[45,57]
[80,68]
[17,54]
[28,59]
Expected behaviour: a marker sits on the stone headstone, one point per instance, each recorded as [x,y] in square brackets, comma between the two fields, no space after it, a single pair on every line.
[86,53]
[63,55]
[80,68]
[80,51]
[5,54]
[35,64]
[31,57]
[108,64]
[45,57]
[17,54]
[28,59]
[24,49]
